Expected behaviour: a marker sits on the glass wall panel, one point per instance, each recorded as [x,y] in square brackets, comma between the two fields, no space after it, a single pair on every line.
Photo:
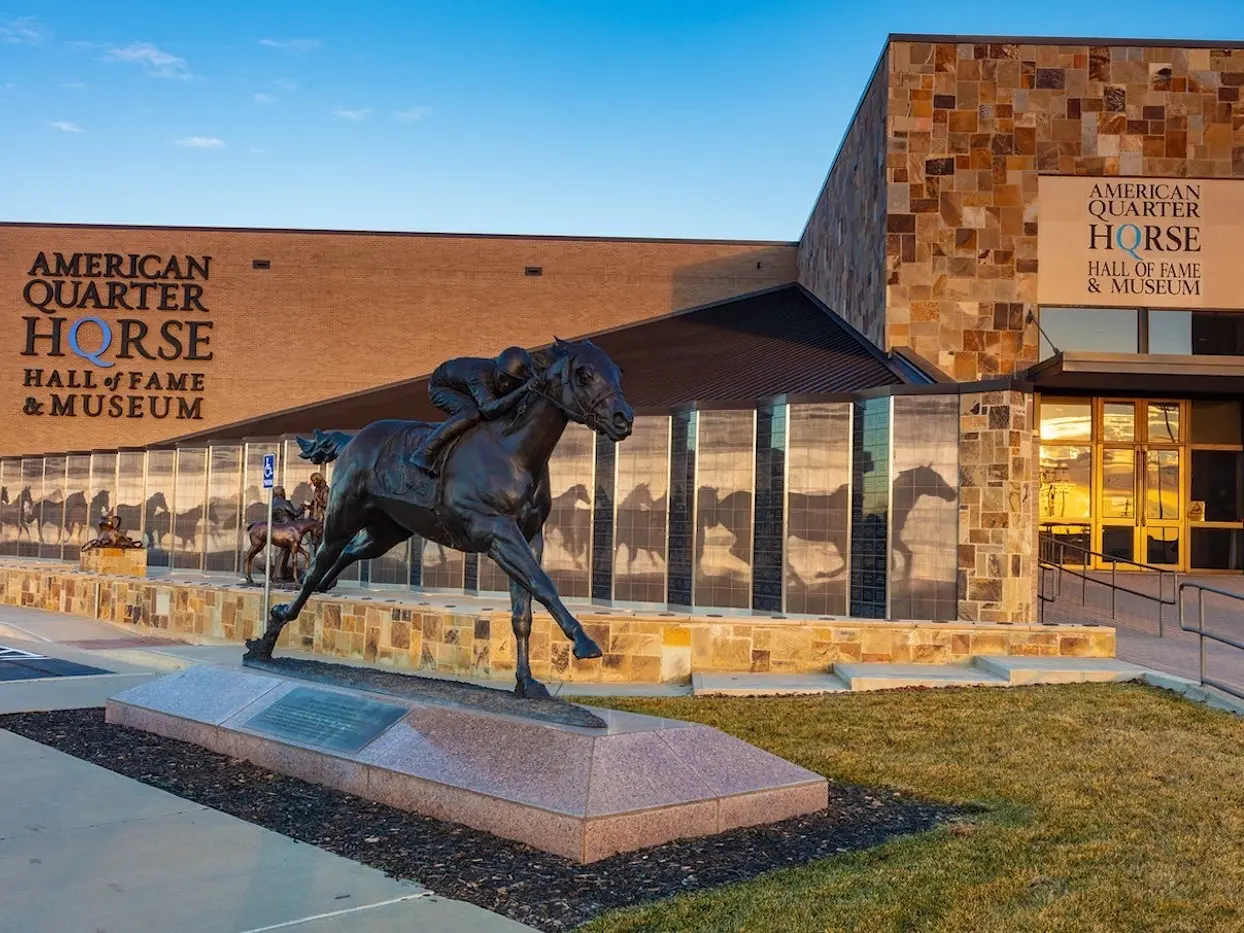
[158,507]
[870,504]
[442,567]
[131,467]
[1094,330]
[188,508]
[1066,475]
[392,568]
[52,510]
[568,531]
[491,578]
[223,539]
[640,520]
[818,509]
[602,518]
[682,506]
[924,508]
[725,478]
[1214,333]
[30,515]
[767,539]
[78,506]
[254,503]
[103,487]
[10,490]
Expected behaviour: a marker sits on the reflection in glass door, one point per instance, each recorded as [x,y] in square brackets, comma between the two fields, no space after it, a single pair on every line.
[1140,483]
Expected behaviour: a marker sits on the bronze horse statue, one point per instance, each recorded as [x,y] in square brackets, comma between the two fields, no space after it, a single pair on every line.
[288,538]
[491,495]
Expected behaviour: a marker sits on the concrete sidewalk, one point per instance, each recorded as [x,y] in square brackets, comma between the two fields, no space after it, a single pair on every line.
[86,850]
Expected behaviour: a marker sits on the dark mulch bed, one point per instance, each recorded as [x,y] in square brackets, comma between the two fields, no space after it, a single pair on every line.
[530,886]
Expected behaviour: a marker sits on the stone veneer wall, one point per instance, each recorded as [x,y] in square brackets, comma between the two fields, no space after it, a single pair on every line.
[643,649]
[997,508]
[842,250]
[972,125]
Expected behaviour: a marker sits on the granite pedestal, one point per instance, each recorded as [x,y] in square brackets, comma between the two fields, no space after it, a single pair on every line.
[579,792]
[115,561]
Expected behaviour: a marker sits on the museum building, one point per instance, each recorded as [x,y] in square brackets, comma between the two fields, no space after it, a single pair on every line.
[1016,311]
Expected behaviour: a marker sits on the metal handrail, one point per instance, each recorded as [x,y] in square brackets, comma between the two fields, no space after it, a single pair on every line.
[1201,634]
[1047,541]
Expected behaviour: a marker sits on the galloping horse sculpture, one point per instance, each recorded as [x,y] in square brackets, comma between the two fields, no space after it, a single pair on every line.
[490,496]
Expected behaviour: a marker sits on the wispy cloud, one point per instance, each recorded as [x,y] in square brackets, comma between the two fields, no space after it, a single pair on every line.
[158,63]
[200,142]
[25,30]
[259,152]
[412,114]
[66,127]
[8,86]
[301,46]
[287,85]
[73,85]
[264,99]
[362,113]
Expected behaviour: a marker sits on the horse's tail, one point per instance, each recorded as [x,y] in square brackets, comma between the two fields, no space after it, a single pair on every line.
[322,448]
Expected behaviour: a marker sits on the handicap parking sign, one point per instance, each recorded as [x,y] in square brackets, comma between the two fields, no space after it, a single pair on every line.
[269,470]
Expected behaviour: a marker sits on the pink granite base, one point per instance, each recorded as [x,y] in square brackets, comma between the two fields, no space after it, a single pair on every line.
[583,794]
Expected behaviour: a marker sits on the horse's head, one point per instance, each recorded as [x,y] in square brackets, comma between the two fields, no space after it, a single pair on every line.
[157,502]
[930,483]
[587,386]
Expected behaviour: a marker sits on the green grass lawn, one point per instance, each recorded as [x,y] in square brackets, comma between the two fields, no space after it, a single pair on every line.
[1111,807]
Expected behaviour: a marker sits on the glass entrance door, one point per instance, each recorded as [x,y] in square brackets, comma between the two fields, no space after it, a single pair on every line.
[1140,482]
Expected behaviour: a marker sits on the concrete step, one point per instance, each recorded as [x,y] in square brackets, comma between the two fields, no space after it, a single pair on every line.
[1023,670]
[754,685]
[872,676]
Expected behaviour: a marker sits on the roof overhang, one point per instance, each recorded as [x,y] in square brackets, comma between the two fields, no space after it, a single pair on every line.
[1140,374]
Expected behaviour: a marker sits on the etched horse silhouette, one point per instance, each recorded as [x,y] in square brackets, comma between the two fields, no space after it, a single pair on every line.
[637,533]
[910,486]
[572,523]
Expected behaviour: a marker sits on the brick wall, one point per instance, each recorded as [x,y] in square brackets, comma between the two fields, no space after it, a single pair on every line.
[842,250]
[972,125]
[336,313]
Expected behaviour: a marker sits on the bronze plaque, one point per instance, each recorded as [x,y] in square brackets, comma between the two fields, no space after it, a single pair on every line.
[336,721]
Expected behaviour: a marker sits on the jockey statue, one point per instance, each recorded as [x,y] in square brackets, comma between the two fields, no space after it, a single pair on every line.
[470,389]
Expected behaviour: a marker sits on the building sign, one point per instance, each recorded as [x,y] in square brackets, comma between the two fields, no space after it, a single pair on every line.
[1140,242]
[112,335]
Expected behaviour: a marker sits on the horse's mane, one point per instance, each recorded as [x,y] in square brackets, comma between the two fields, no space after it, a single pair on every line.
[542,360]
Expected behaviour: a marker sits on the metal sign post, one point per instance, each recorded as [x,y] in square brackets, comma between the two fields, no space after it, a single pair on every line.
[269,480]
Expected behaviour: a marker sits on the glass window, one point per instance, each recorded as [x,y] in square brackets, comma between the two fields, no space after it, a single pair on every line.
[1065,476]
[1162,496]
[1066,419]
[1163,422]
[1100,330]
[1217,486]
[1170,332]
[1217,549]
[1202,333]
[1118,422]
[1218,333]
[1118,483]
[1216,421]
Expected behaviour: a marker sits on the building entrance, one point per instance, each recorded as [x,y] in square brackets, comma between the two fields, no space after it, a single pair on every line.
[1149,480]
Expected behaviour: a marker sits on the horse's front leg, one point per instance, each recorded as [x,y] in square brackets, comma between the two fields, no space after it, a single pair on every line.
[520,603]
[513,555]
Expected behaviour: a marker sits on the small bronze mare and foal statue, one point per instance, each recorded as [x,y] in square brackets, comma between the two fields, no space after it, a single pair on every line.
[478,482]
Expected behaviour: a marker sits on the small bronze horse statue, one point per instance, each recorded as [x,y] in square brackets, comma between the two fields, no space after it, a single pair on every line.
[288,537]
[491,495]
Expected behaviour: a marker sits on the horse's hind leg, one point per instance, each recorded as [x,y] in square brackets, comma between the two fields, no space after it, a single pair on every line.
[520,604]
[250,558]
[375,539]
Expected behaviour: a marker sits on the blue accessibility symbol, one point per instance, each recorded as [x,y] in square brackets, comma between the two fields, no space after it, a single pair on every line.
[269,470]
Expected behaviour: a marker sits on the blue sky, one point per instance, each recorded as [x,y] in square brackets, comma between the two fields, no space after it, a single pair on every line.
[640,118]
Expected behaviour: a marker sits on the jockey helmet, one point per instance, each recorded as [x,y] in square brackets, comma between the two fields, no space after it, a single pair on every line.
[514,362]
